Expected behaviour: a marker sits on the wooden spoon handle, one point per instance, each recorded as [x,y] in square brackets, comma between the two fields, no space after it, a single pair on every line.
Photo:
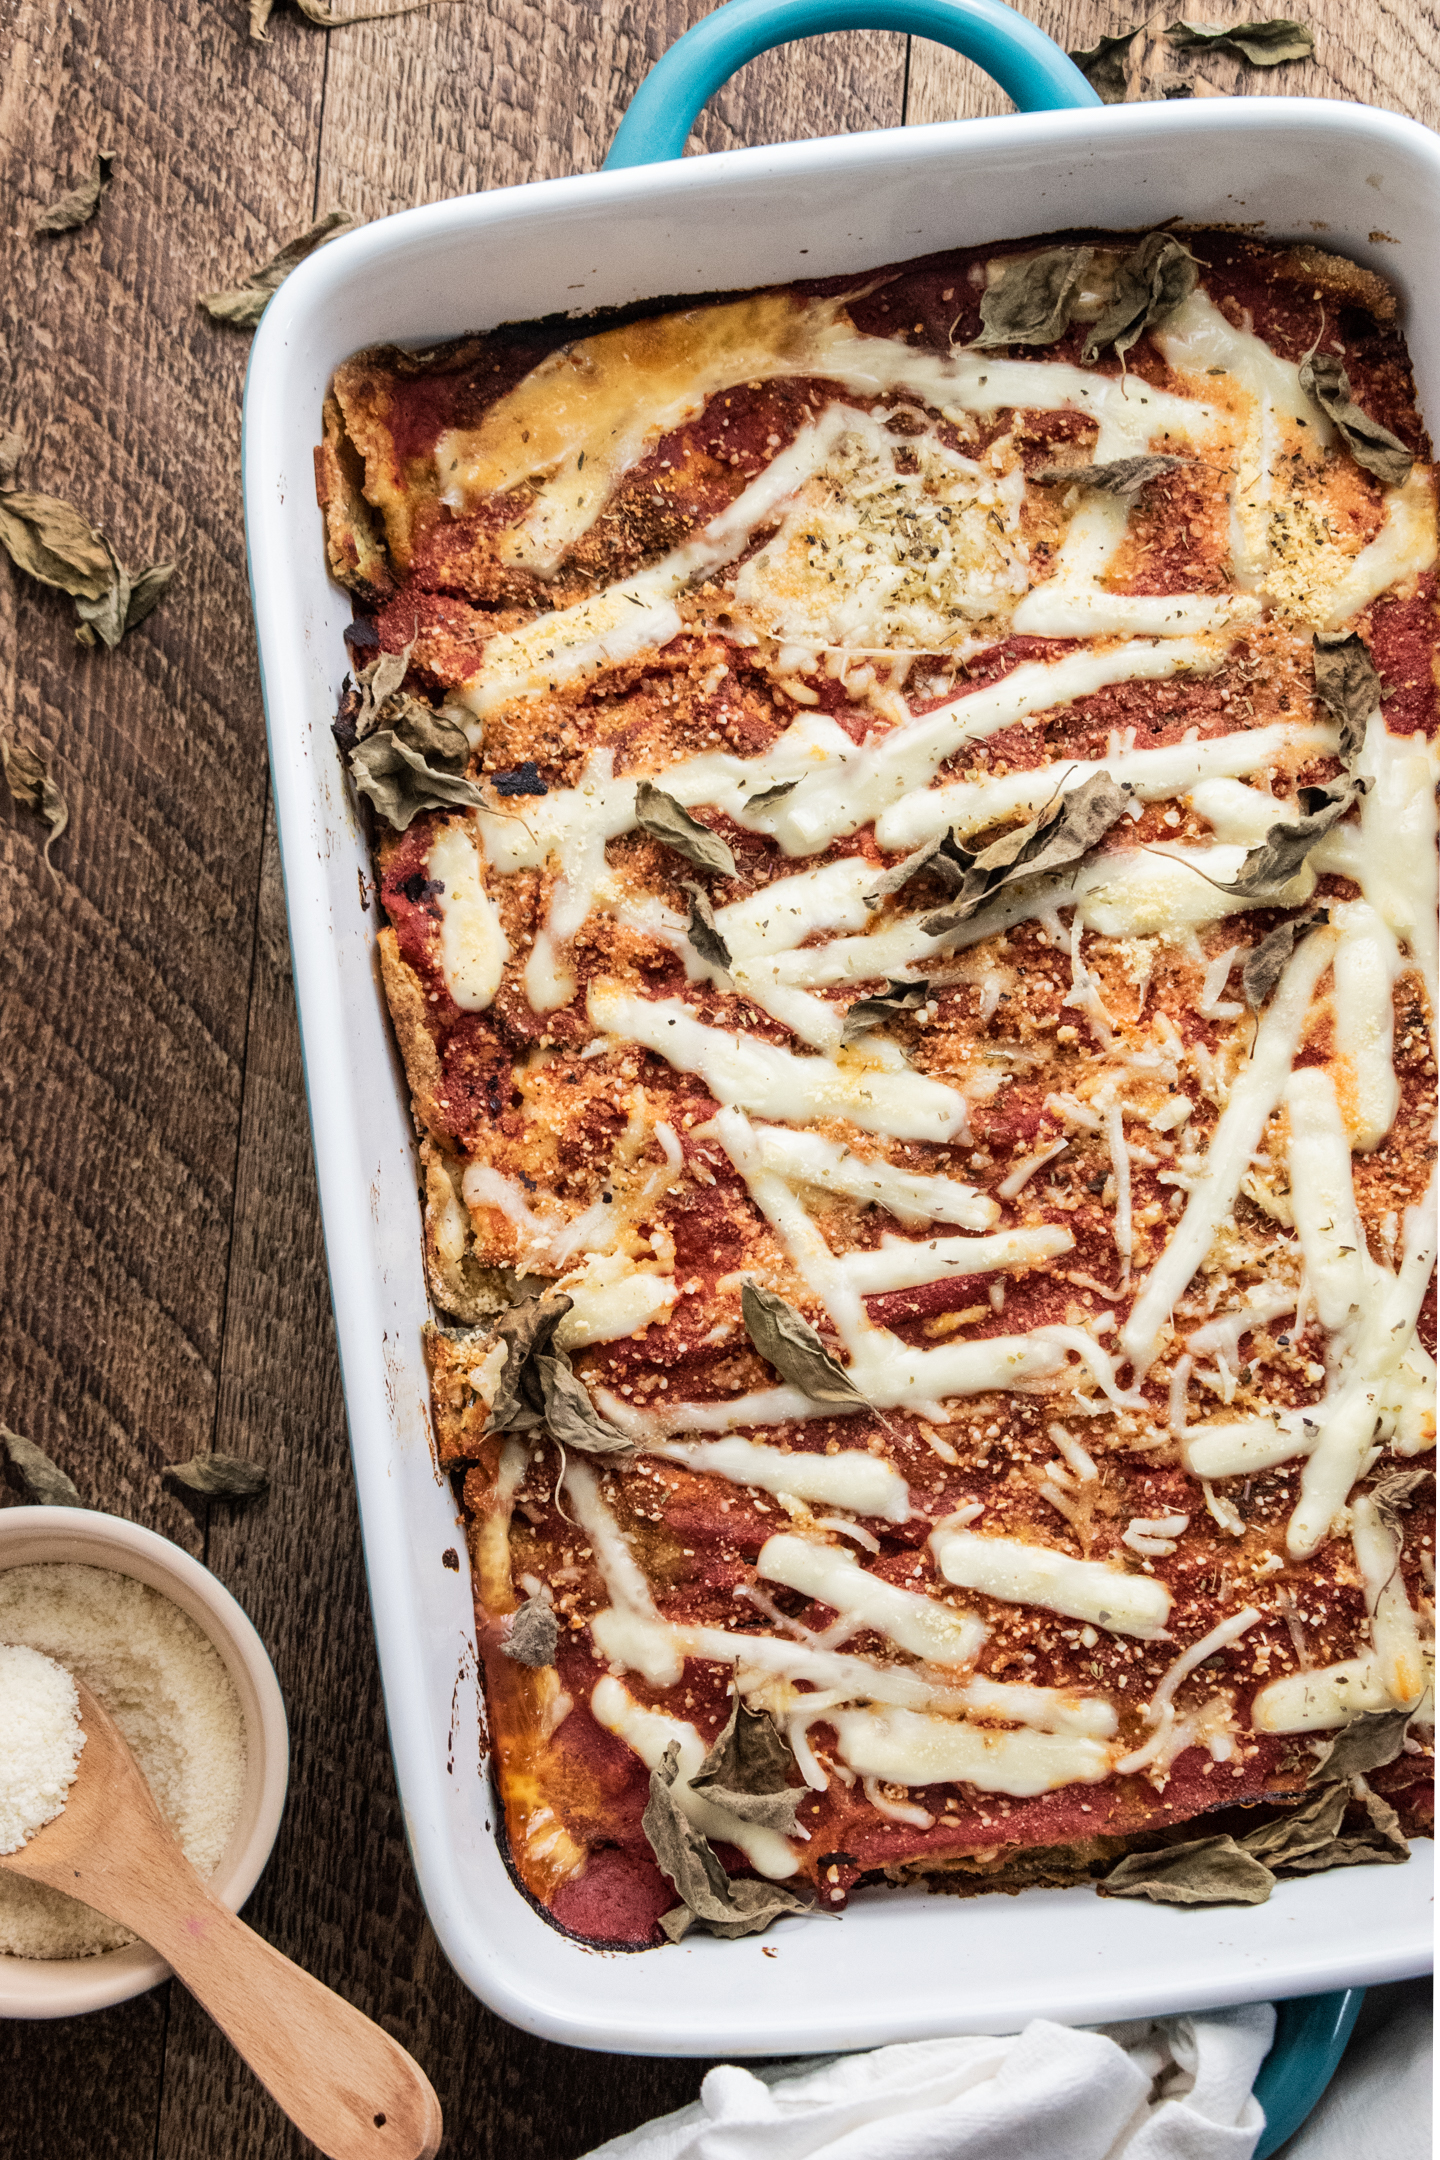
[347,2085]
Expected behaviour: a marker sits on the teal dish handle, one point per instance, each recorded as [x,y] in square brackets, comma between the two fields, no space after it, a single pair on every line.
[1311,2035]
[1029,67]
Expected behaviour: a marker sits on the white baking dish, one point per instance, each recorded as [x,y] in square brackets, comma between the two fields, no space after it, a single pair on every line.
[899,1966]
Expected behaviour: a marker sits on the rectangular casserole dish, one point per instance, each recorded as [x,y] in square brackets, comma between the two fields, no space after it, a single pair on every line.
[901,1965]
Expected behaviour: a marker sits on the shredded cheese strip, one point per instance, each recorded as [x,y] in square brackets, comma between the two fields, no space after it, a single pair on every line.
[1253,1097]
[904,1748]
[1037,1575]
[910,1620]
[902,1264]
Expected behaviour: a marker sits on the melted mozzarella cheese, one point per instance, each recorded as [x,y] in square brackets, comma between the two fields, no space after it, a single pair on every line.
[1247,1446]
[1327,1695]
[857,790]
[913,1622]
[612,1298]
[1366,965]
[888,547]
[773,1082]
[810,1159]
[864,1484]
[473,948]
[1394,1630]
[902,1264]
[1322,1198]
[1152,775]
[903,1747]
[1398,831]
[1403,548]
[650,1733]
[1237,1136]
[1371,1350]
[1038,1575]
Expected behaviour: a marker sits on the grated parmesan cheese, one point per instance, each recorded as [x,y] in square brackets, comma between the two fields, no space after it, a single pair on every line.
[171,1697]
[40,1742]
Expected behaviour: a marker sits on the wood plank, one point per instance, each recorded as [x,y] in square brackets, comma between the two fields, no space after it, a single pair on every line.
[1381,54]
[451,100]
[124,999]
[339,1894]
[84,2085]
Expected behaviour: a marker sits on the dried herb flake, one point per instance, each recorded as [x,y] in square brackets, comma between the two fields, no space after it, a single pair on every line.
[43,1482]
[748,1771]
[1032,300]
[669,822]
[27,777]
[220,1477]
[1125,477]
[80,205]
[537,1386]
[1266,962]
[1059,839]
[532,1634]
[1204,1871]
[709,1898]
[873,1012]
[1282,854]
[1323,378]
[704,932]
[1347,685]
[1263,44]
[243,305]
[1103,65]
[324,18]
[1150,283]
[791,1345]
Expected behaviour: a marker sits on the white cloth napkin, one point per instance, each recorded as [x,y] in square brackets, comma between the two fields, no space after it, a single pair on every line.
[1156,2089]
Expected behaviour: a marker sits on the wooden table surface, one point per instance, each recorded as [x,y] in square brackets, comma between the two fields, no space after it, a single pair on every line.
[163,1282]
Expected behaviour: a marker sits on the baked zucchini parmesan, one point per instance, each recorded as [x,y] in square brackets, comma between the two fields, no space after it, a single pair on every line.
[905,824]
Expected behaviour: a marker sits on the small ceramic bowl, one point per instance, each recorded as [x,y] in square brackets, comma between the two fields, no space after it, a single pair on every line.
[63,1987]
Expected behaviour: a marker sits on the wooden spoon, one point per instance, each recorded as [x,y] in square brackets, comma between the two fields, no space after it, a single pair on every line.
[347,2085]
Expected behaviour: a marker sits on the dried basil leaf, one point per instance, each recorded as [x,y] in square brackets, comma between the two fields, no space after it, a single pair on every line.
[43,1482]
[1282,854]
[81,203]
[1382,1844]
[102,621]
[525,1329]
[872,1012]
[52,543]
[1395,1493]
[1347,685]
[669,822]
[1031,301]
[1323,378]
[220,1477]
[1151,282]
[709,1898]
[243,305]
[748,1771]
[791,1345]
[1263,44]
[27,777]
[533,1634]
[323,17]
[945,857]
[1367,1743]
[1103,65]
[704,932]
[402,783]
[1125,477]
[1266,962]
[568,1413]
[1207,1871]
[1304,1830]
[148,588]
[1059,839]
[768,796]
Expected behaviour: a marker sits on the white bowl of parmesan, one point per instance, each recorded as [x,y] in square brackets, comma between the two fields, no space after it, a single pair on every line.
[185,1676]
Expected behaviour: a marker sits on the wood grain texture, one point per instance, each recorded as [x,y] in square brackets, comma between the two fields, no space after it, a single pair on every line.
[1382,53]
[161,1276]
